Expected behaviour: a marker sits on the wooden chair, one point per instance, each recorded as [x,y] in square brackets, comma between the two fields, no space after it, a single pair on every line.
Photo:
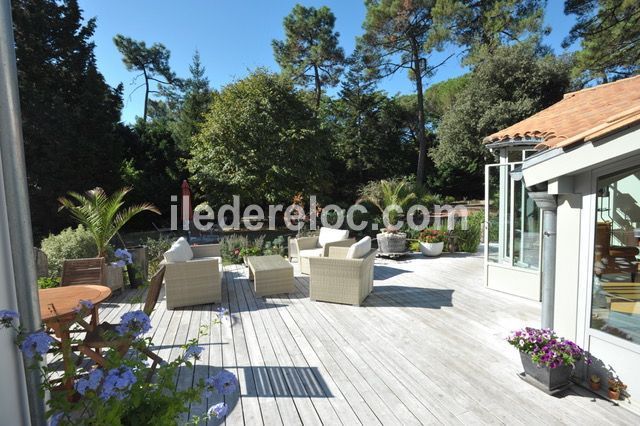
[613,259]
[105,335]
[83,271]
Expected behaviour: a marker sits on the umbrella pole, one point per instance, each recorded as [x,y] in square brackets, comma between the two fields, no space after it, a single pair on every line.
[14,180]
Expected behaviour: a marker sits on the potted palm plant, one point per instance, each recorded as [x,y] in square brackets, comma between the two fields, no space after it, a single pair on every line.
[547,358]
[389,196]
[103,216]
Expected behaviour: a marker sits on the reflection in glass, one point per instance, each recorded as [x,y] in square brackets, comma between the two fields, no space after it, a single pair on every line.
[615,307]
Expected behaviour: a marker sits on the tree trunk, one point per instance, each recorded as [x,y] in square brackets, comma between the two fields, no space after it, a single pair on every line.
[422,139]
[146,95]
[316,76]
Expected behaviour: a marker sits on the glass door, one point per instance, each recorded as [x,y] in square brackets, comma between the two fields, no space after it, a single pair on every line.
[512,224]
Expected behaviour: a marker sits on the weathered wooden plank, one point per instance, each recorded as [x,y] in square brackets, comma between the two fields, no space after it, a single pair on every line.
[427,347]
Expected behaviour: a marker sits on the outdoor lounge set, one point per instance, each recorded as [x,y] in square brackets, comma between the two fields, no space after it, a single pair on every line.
[340,270]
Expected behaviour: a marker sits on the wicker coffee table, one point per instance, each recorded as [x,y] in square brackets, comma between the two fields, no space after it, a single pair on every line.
[270,274]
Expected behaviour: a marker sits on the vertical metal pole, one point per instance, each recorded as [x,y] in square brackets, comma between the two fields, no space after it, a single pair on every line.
[549,225]
[548,205]
[14,178]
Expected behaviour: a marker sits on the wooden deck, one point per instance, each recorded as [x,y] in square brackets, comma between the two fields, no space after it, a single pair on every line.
[427,347]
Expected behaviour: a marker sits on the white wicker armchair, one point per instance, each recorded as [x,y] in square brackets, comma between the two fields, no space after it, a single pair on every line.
[318,246]
[340,280]
[197,281]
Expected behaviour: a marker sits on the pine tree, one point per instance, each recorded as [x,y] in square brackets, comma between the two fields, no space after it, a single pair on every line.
[310,53]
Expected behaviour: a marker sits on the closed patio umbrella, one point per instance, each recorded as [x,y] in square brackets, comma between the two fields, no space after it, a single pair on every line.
[187,208]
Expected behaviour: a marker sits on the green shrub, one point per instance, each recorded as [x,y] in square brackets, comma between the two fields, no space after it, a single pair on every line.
[155,250]
[277,246]
[48,282]
[414,246]
[71,243]
[469,240]
[231,246]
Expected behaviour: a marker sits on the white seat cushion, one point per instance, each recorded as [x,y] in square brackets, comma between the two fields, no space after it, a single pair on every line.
[359,249]
[312,252]
[180,251]
[330,235]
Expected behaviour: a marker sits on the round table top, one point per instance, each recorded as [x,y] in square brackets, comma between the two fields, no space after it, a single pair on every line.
[66,299]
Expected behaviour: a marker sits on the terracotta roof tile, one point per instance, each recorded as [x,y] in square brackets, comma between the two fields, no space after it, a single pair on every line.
[581,116]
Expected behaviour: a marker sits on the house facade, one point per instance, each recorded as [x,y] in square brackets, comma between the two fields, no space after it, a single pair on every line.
[564,222]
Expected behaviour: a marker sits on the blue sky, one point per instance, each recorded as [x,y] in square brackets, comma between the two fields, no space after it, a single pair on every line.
[234,37]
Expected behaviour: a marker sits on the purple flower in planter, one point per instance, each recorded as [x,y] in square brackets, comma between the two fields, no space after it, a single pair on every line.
[37,343]
[134,323]
[546,348]
[219,410]
[7,317]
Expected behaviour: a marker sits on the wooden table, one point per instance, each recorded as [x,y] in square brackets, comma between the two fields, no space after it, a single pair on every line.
[271,275]
[58,311]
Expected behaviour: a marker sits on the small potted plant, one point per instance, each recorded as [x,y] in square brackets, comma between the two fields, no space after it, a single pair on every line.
[545,357]
[594,382]
[432,242]
[616,388]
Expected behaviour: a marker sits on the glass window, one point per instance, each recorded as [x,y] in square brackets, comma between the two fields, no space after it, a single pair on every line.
[513,226]
[615,307]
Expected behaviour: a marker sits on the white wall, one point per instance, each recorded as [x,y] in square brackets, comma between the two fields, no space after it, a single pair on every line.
[13,394]
[567,265]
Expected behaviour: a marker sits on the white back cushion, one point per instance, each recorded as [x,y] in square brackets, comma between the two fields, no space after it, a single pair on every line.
[330,235]
[180,251]
[359,249]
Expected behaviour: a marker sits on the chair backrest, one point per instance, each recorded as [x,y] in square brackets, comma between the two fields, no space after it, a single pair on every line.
[154,290]
[42,262]
[329,235]
[83,271]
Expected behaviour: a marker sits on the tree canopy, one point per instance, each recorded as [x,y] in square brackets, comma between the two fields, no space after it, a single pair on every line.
[609,32]
[70,115]
[481,27]
[310,53]
[399,35]
[261,141]
[152,63]
[508,87]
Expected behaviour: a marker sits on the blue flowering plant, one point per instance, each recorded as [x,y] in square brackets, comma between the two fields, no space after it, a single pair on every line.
[120,392]
[546,348]
[123,257]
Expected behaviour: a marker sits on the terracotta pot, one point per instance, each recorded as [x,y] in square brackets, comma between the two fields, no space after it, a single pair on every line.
[615,395]
[594,386]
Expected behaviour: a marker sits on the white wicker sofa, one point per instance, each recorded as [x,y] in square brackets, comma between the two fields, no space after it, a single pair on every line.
[345,276]
[196,280]
[318,246]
